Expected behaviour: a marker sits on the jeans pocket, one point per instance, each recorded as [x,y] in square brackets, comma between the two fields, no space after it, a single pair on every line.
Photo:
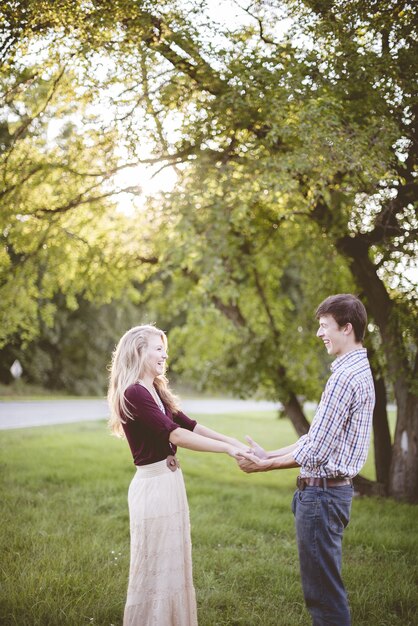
[338,515]
[308,495]
[307,500]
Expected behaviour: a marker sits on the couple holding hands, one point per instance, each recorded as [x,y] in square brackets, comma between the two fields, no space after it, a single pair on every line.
[144,410]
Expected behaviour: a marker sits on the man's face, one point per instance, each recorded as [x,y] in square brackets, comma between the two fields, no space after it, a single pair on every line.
[334,337]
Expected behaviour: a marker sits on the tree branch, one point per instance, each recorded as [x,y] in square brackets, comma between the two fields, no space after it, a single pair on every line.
[199,70]
[80,200]
[259,24]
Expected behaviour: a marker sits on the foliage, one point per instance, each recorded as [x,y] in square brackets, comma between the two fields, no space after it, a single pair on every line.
[74,353]
[59,229]
[269,129]
[246,283]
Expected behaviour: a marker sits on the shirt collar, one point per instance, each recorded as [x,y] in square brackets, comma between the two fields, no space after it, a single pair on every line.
[345,359]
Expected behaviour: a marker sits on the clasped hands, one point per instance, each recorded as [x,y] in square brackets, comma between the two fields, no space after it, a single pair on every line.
[254,459]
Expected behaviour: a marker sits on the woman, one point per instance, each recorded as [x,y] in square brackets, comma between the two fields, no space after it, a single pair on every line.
[160,589]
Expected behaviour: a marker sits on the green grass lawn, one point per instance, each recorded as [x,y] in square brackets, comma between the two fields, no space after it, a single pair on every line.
[65,536]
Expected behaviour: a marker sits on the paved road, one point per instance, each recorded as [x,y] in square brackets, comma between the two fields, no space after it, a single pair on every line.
[29,413]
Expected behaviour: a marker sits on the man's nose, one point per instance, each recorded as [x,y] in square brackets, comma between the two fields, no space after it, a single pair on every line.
[319,332]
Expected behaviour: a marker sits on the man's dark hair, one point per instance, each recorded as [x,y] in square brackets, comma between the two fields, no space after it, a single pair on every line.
[345,308]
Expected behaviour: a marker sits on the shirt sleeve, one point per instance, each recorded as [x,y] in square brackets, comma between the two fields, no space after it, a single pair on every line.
[185,422]
[145,411]
[315,448]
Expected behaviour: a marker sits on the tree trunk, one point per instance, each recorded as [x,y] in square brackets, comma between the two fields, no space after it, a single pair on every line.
[381,433]
[403,480]
[403,484]
[294,411]
[365,487]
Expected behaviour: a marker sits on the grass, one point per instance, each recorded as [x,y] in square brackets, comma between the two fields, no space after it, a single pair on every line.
[20,391]
[65,537]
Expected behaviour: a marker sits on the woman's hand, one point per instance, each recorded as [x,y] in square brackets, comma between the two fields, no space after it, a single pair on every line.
[238,453]
[256,449]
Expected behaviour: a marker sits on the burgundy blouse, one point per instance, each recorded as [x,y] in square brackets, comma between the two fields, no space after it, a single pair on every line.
[148,432]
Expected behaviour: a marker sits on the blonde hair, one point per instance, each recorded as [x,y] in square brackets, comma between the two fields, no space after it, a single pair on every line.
[129,360]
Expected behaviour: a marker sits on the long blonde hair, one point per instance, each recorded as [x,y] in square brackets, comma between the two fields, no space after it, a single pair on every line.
[128,364]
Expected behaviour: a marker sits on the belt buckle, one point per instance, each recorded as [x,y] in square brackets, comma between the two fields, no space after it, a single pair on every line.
[300,483]
[172,463]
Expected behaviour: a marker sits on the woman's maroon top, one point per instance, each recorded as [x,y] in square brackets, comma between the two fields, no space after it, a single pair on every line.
[148,433]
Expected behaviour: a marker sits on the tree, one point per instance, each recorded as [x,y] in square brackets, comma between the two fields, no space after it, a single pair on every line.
[60,232]
[73,354]
[244,280]
[350,165]
[320,123]
[374,46]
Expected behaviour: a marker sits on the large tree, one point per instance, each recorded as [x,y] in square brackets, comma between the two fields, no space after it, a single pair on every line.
[275,137]
[59,231]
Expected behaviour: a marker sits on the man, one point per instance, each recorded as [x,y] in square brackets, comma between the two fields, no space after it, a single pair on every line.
[329,455]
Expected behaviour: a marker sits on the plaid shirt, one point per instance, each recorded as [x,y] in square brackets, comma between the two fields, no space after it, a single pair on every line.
[338,440]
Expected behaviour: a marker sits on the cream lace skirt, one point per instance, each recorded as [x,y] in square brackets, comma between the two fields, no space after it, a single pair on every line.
[160,590]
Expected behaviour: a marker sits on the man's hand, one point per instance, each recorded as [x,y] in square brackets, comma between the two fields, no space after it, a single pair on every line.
[256,448]
[254,464]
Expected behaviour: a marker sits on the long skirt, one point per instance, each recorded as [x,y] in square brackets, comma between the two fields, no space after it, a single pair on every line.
[160,589]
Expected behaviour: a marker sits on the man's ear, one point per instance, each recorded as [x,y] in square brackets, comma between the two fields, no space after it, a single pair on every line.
[348,328]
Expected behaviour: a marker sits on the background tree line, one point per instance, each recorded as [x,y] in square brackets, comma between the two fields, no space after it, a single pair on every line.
[296,156]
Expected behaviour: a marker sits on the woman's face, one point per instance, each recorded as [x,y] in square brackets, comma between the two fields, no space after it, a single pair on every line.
[156,357]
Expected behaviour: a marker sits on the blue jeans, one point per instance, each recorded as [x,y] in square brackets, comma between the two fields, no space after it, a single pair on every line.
[321,516]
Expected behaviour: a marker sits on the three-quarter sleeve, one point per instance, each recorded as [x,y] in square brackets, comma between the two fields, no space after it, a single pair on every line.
[146,412]
[185,422]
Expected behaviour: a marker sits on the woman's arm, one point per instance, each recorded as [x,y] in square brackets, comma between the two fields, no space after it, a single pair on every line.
[213,434]
[195,441]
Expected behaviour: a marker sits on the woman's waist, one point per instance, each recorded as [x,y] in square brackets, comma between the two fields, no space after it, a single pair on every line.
[169,464]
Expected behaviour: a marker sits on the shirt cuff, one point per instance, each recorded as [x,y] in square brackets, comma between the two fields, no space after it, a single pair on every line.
[298,452]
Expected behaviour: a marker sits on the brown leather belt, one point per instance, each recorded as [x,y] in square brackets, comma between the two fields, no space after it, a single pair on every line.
[302,482]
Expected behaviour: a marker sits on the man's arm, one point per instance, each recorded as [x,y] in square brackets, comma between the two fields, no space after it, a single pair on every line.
[280,461]
[282,451]
[264,454]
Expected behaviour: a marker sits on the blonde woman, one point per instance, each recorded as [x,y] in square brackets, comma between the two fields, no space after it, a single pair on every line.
[143,409]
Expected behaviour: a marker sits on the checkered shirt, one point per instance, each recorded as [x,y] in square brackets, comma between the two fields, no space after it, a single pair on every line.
[339,437]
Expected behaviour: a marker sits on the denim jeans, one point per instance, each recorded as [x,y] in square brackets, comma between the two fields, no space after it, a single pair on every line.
[321,516]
